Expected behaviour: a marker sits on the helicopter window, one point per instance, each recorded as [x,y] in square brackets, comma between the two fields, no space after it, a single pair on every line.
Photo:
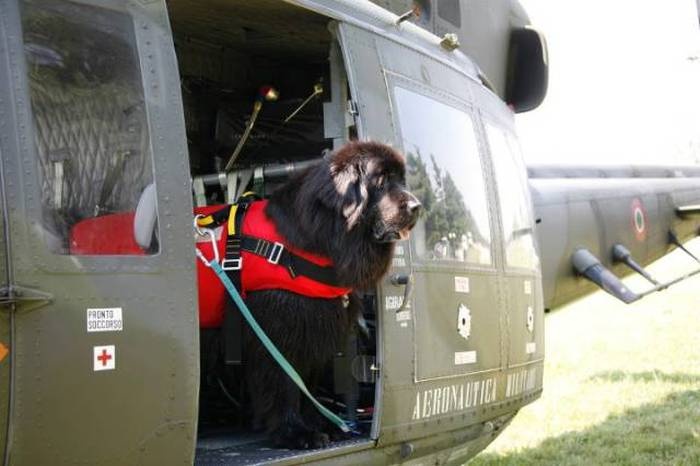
[514,198]
[91,135]
[445,173]
[449,10]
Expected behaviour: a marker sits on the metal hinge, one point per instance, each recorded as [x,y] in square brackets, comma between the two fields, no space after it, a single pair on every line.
[352,109]
[23,298]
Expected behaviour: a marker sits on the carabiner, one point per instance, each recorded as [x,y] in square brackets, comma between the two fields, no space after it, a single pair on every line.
[214,245]
[196,225]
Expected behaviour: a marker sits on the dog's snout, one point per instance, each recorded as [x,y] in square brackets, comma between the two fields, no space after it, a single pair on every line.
[412,204]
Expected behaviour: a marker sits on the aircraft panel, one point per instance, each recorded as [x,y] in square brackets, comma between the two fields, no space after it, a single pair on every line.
[452,386]
[599,212]
[6,309]
[456,333]
[553,231]
[453,241]
[5,313]
[106,349]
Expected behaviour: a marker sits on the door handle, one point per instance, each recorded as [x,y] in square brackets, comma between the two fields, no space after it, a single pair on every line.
[405,279]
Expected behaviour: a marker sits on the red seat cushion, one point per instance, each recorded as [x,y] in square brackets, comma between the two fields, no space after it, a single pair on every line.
[105,235]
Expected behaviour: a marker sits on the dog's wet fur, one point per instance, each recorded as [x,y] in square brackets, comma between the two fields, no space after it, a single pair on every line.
[351,207]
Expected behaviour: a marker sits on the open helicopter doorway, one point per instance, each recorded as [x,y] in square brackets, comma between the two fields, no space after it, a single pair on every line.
[265,94]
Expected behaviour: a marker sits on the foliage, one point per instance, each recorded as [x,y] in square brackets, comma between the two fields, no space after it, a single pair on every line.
[444,210]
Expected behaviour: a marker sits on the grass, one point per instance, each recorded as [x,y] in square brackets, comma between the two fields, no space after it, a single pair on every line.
[621,384]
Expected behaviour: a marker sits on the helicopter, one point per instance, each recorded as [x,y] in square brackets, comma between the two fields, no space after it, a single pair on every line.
[118,117]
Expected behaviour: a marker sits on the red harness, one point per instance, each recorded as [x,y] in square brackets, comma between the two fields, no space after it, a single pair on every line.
[267,262]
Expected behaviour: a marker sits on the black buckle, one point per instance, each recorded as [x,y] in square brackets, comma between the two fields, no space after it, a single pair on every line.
[276,253]
[235,264]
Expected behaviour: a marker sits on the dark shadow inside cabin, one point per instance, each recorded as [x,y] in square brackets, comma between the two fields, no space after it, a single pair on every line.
[231,54]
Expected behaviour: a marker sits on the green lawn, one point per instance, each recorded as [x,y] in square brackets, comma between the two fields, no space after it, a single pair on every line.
[621,383]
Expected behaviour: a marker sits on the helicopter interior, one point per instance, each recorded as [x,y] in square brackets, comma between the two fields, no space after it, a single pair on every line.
[264,92]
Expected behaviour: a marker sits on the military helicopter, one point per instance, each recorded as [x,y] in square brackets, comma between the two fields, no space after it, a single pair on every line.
[121,116]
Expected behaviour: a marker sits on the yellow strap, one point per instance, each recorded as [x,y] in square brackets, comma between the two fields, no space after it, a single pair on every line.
[232,220]
[205,221]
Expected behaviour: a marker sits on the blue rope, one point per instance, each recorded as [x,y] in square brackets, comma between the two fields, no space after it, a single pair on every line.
[270,346]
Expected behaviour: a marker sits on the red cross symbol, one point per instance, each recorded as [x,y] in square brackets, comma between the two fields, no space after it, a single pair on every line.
[104,357]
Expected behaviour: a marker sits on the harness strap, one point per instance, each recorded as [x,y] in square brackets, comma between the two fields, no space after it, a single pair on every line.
[233,261]
[276,253]
[214,219]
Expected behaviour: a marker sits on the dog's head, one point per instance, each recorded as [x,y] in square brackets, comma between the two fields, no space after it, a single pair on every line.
[369,180]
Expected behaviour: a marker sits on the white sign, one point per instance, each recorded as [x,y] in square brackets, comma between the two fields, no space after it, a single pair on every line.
[465,357]
[104,358]
[531,348]
[108,319]
[392,303]
[527,287]
[462,284]
[398,262]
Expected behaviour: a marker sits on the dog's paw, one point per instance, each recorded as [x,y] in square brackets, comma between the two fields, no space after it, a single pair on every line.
[302,440]
[315,440]
[337,435]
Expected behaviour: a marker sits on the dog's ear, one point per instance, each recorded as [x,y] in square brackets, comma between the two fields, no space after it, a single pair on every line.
[350,182]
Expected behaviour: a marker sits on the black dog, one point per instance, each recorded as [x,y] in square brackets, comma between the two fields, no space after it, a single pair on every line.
[351,208]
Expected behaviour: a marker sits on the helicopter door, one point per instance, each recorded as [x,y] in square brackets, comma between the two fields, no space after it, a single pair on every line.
[446,340]
[105,344]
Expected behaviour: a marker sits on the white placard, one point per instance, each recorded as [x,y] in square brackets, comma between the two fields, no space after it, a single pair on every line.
[527,287]
[392,303]
[462,284]
[398,262]
[105,319]
[104,358]
[531,348]
[465,357]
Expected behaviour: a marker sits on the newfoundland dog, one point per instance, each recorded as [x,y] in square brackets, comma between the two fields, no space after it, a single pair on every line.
[351,208]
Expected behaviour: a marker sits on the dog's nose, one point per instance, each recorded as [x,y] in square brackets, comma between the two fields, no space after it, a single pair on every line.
[412,204]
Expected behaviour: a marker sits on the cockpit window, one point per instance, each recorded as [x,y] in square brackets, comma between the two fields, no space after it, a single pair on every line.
[444,171]
[514,197]
[91,134]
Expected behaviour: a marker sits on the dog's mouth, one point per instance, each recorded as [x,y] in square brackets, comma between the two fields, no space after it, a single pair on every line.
[393,235]
[387,237]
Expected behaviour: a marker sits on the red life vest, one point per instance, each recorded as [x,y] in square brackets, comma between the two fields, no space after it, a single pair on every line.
[257,272]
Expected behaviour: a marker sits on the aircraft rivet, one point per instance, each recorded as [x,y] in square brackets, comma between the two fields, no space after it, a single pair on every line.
[406,450]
